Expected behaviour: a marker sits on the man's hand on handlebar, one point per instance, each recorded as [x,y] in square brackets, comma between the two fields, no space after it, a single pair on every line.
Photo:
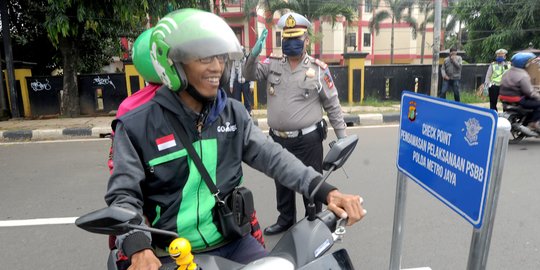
[346,206]
[144,260]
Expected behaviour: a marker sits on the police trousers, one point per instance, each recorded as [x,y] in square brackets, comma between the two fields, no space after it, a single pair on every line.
[307,148]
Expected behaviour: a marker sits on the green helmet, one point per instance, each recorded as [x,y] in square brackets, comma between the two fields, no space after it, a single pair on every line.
[141,57]
[185,35]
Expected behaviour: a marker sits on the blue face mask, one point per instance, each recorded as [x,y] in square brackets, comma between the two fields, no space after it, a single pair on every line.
[499,59]
[292,47]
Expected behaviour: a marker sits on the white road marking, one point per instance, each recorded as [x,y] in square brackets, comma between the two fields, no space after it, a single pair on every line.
[37,222]
[56,141]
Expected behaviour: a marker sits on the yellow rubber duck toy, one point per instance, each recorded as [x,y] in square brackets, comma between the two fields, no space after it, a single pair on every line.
[180,251]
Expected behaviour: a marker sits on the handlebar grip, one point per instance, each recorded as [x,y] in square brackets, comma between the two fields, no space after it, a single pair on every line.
[328,218]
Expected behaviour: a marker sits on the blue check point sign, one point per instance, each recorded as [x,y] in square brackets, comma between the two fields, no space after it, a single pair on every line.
[447,148]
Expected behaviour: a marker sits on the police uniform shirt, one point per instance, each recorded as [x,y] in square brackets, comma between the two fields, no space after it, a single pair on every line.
[296,97]
[495,72]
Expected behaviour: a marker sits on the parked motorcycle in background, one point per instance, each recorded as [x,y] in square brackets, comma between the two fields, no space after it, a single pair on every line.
[303,246]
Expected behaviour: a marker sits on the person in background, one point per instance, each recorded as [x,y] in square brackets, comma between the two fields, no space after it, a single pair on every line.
[239,85]
[451,74]
[190,51]
[298,88]
[516,87]
[493,77]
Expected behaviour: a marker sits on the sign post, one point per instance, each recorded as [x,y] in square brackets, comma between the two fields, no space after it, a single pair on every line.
[481,238]
[447,148]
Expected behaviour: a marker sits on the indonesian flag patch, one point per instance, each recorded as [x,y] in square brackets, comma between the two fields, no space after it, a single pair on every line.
[165,142]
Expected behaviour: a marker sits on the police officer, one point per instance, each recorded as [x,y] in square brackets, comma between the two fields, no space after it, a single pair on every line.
[494,75]
[298,88]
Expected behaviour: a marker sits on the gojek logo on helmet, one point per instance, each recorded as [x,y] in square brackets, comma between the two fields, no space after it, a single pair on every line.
[159,55]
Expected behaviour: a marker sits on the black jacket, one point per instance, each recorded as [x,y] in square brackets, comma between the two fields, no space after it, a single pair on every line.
[154,176]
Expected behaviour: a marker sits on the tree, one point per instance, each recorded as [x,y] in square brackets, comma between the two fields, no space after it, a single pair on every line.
[83,34]
[70,22]
[398,11]
[494,24]
[450,22]
[426,9]
[29,39]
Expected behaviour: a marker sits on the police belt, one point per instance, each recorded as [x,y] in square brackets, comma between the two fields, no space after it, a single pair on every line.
[296,133]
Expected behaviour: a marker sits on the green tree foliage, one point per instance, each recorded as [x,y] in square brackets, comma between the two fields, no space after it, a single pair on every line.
[426,11]
[70,23]
[396,10]
[85,33]
[449,22]
[29,39]
[493,24]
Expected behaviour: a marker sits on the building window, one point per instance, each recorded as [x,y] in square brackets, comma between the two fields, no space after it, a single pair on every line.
[232,2]
[351,40]
[367,6]
[278,39]
[367,39]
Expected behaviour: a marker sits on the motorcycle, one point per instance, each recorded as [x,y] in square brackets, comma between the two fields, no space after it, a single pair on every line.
[518,117]
[304,246]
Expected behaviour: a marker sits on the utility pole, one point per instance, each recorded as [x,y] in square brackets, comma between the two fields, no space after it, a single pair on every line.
[9,59]
[436,46]
[4,110]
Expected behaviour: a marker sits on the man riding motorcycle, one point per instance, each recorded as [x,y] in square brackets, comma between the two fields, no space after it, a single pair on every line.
[516,87]
[154,176]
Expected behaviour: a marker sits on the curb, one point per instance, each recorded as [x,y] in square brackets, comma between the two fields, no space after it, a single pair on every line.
[102,132]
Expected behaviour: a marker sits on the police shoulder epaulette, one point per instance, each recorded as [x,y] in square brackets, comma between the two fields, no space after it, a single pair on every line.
[321,64]
[279,58]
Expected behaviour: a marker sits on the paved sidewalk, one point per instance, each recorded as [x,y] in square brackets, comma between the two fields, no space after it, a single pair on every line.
[96,127]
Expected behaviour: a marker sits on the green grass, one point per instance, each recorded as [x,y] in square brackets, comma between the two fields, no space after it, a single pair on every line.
[372,101]
[471,97]
[465,96]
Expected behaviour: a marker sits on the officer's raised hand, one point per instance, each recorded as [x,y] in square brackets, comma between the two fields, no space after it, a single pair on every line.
[258,45]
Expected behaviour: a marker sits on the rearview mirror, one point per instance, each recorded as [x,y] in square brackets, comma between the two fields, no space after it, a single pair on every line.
[109,220]
[339,153]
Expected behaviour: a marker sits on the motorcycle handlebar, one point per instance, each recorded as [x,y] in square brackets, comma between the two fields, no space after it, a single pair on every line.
[329,219]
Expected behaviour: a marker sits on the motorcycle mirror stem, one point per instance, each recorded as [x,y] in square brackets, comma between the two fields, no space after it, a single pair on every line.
[311,210]
[153,230]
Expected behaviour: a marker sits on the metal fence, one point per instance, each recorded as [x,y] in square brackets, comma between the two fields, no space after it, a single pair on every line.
[103,93]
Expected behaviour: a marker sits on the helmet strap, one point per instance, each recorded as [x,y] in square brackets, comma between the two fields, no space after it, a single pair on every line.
[197,96]
[181,76]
